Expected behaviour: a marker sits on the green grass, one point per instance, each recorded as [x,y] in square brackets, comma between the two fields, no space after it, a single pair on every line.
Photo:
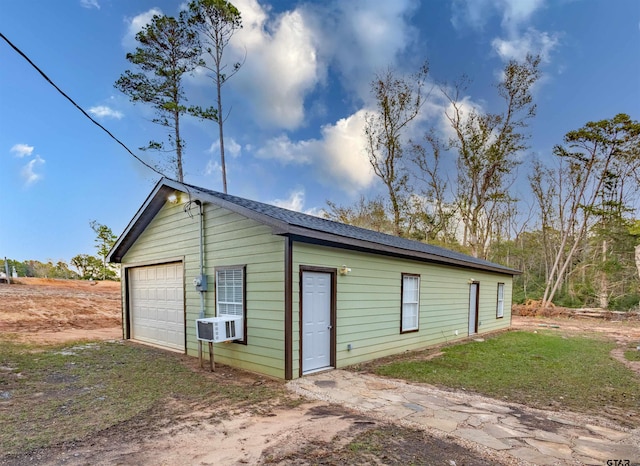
[632,355]
[537,369]
[50,395]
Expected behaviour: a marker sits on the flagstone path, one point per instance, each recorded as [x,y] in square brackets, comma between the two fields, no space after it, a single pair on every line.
[506,432]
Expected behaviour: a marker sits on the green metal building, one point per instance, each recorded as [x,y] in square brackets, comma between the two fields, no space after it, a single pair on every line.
[311,294]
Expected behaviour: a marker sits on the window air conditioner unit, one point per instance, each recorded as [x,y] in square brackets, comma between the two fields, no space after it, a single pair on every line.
[219,329]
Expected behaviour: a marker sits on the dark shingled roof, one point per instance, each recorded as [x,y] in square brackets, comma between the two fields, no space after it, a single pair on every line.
[311,222]
[305,227]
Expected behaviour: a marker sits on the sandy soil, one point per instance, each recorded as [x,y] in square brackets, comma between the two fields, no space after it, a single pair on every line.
[194,438]
[178,434]
[54,311]
[619,330]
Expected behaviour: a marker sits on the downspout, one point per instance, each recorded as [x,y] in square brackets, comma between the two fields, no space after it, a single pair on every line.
[202,275]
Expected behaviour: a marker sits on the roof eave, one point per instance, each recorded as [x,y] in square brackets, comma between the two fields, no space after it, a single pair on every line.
[353,243]
[158,197]
[138,223]
[277,226]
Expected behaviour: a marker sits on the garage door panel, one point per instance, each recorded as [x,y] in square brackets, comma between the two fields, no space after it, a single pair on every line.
[156,301]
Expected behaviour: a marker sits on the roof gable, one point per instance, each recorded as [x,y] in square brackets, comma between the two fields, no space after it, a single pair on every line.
[297,225]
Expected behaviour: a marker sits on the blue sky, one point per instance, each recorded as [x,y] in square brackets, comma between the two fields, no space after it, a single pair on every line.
[294,135]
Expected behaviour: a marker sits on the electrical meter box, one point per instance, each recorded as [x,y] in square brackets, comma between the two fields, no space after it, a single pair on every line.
[200,282]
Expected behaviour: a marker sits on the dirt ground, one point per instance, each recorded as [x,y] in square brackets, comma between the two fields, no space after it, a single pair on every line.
[44,310]
[312,433]
[623,331]
[176,433]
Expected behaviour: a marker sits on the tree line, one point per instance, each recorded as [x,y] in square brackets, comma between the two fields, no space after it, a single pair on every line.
[33,268]
[87,266]
[578,244]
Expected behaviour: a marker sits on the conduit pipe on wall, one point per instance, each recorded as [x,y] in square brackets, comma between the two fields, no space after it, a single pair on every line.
[202,275]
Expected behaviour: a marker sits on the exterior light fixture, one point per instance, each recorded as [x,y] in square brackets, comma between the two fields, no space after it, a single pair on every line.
[344,270]
[173,198]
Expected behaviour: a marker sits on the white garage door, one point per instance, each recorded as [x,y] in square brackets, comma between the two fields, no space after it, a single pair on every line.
[156,301]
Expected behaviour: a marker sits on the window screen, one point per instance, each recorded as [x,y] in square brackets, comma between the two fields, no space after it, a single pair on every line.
[230,292]
[500,305]
[410,302]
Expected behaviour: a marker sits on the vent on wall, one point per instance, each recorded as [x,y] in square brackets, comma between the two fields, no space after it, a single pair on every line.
[219,329]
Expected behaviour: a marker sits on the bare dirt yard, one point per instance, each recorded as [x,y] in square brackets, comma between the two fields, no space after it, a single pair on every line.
[177,432]
[42,310]
[47,311]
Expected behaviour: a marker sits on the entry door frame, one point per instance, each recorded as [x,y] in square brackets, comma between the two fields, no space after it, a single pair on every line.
[474,306]
[333,272]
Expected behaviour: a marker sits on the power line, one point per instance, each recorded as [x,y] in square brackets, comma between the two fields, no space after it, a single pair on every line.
[43,74]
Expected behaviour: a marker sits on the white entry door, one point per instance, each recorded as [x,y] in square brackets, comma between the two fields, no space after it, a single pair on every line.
[473,308]
[316,321]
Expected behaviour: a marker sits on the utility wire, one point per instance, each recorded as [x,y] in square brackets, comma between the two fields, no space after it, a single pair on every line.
[42,73]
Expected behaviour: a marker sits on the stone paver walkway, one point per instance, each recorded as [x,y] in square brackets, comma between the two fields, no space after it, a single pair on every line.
[508,433]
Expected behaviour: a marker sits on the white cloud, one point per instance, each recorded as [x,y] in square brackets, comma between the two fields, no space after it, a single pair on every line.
[283,67]
[339,157]
[284,150]
[518,12]
[291,52]
[288,54]
[22,150]
[519,38]
[531,42]
[136,24]
[29,170]
[344,158]
[476,13]
[294,202]
[376,34]
[231,147]
[212,168]
[90,4]
[102,111]
[469,13]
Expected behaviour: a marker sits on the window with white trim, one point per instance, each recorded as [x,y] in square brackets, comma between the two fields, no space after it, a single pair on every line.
[410,308]
[230,293]
[500,303]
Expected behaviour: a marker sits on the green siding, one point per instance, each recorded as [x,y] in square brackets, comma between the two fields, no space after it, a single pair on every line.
[369,300]
[230,239]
